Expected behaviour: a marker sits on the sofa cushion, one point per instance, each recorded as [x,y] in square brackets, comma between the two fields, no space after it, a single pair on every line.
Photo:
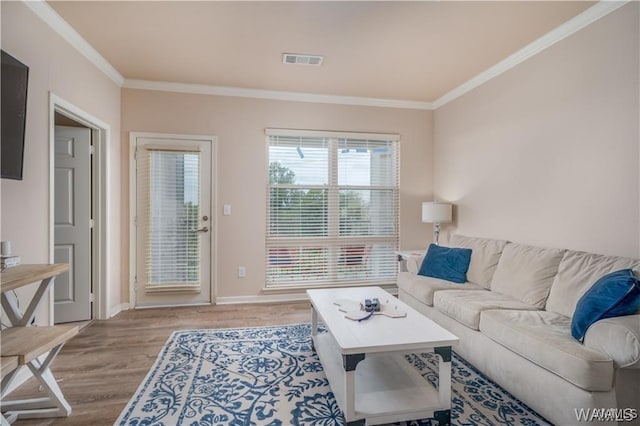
[526,273]
[544,338]
[577,273]
[446,263]
[614,295]
[485,254]
[423,288]
[466,306]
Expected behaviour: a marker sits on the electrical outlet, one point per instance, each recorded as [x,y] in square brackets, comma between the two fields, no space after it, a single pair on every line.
[242,271]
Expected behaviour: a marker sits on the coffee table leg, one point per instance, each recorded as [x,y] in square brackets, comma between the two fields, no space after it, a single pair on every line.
[314,326]
[443,417]
[314,321]
[349,363]
[444,388]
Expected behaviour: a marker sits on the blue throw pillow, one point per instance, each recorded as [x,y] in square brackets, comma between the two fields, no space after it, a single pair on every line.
[446,263]
[614,295]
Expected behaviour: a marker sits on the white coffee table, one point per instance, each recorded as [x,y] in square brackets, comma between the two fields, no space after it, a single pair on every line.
[364,363]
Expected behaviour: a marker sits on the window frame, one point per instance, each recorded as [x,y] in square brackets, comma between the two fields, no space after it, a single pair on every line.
[333,241]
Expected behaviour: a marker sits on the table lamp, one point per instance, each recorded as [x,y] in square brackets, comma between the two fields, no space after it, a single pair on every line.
[436,213]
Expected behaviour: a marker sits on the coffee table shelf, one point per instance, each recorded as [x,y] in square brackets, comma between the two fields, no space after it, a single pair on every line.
[389,388]
[364,364]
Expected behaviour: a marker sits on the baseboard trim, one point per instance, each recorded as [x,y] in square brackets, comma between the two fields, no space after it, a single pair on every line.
[264,298]
[233,300]
[118,308]
[184,305]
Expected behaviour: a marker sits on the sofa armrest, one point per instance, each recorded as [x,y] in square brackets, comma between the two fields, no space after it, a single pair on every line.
[619,338]
[413,262]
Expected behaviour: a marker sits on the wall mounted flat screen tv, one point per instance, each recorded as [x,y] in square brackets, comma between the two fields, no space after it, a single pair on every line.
[15,78]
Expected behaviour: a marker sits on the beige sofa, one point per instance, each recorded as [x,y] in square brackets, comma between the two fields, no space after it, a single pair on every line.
[513,318]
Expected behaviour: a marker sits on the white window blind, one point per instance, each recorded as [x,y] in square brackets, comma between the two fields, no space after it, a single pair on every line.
[169,213]
[332,204]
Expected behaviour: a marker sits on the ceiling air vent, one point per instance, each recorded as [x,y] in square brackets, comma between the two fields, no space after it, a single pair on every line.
[294,58]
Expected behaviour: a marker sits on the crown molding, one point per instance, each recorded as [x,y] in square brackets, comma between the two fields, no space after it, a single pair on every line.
[203,89]
[589,16]
[66,31]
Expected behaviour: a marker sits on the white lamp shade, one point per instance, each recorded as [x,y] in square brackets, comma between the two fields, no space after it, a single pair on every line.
[433,212]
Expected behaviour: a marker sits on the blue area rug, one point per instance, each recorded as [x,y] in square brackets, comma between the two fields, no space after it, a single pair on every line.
[272,376]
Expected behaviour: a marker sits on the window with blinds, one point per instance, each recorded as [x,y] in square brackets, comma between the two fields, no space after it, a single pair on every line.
[169,215]
[332,208]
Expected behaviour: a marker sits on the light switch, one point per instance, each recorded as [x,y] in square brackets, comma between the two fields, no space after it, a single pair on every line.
[226,210]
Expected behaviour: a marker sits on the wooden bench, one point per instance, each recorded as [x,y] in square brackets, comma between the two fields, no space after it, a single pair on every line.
[8,364]
[26,346]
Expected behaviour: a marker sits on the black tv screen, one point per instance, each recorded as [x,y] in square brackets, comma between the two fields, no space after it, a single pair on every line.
[15,79]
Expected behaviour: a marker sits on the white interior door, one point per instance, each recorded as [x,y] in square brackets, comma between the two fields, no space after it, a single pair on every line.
[72,223]
[173,221]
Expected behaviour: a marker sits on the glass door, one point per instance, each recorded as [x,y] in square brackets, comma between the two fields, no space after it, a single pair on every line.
[173,221]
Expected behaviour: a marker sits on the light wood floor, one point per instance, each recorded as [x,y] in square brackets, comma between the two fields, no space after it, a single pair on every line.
[101,368]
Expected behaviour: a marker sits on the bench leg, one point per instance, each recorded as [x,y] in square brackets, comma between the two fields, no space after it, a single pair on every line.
[5,384]
[6,422]
[16,317]
[55,405]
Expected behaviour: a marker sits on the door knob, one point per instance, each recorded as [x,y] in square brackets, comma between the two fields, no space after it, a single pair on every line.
[203,229]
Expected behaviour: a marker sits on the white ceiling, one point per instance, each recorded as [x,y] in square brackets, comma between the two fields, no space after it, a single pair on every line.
[415,51]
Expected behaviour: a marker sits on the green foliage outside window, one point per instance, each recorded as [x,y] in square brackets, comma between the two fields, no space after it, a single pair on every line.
[304,211]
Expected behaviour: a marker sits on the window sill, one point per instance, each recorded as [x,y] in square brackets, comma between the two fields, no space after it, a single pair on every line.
[391,287]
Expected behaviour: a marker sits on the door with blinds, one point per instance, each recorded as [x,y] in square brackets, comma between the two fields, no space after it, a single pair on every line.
[173,220]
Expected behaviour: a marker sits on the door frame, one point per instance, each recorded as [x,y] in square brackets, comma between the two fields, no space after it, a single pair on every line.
[101,138]
[133,194]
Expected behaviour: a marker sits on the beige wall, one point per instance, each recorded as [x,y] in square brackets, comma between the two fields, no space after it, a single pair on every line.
[54,66]
[548,152]
[239,125]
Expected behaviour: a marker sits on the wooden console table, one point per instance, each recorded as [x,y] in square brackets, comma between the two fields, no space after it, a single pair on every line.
[22,275]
